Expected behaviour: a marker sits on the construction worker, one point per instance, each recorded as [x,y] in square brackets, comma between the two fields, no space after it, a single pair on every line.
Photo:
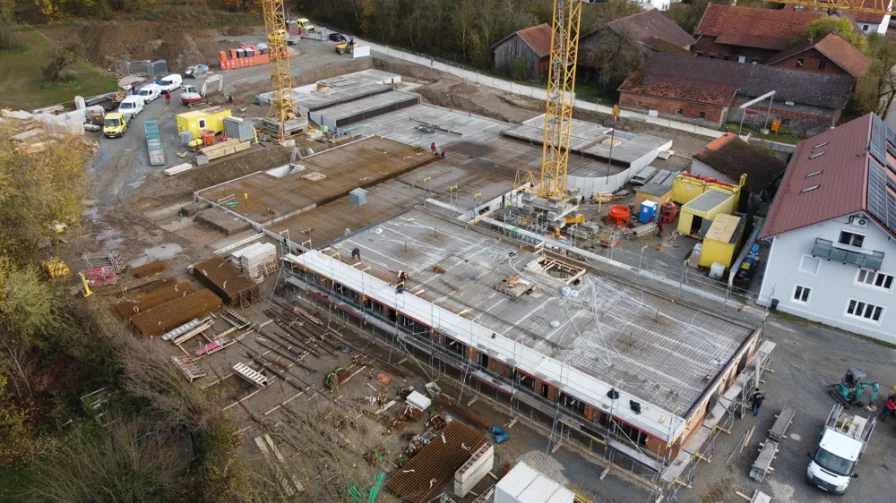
[402,279]
[356,254]
[443,152]
[889,410]
[756,401]
[230,99]
[167,98]
[433,148]
[659,228]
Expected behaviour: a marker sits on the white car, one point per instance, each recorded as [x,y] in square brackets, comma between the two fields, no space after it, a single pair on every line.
[131,106]
[170,82]
[150,92]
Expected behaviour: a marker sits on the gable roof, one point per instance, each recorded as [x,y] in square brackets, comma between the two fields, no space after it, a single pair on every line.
[733,157]
[679,88]
[839,51]
[838,176]
[807,88]
[538,38]
[760,28]
[651,25]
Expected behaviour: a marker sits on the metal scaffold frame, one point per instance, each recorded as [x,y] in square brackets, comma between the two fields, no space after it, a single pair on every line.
[283,107]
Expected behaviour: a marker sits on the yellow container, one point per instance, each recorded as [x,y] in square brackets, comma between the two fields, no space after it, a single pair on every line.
[696,214]
[686,187]
[211,119]
[722,241]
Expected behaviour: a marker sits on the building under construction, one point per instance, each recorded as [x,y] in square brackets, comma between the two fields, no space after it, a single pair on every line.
[617,369]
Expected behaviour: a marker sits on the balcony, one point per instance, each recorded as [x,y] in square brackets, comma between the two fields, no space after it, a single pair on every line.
[826,249]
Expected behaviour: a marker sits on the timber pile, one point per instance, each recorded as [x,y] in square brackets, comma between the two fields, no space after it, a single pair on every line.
[175,313]
[130,306]
[426,473]
[222,277]
[225,148]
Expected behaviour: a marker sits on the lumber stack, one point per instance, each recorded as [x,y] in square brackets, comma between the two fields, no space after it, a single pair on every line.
[224,148]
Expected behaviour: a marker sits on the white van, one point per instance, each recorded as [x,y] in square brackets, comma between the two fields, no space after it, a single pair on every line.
[149,92]
[131,106]
[170,82]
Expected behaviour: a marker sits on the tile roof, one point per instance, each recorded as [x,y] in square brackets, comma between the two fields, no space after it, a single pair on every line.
[760,28]
[679,88]
[841,52]
[651,24]
[826,179]
[807,88]
[538,38]
[734,157]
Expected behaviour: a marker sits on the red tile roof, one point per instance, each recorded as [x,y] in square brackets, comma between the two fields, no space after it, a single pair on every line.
[838,182]
[680,89]
[651,25]
[539,38]
[760,28]
[841,52]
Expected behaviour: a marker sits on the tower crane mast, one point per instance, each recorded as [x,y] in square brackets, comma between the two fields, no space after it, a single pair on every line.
[282,119]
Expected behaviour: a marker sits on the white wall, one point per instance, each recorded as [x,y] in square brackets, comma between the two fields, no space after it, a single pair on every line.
[833,284]
[701,168]
[590,184]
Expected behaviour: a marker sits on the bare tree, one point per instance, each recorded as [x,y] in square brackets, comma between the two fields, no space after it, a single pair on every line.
[614,56]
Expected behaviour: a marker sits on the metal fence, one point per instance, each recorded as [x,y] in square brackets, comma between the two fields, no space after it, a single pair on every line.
[146,68]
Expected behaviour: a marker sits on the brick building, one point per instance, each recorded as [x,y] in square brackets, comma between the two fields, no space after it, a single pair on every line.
[748,35]
[830,54]
[711,91]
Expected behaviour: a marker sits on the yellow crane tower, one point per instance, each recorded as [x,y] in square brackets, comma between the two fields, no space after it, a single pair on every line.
[561,92]
[882,7]
[282,117]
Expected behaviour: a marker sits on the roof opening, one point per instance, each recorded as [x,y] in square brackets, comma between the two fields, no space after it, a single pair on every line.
[809,189]
[815,173]
[821,144]
[813,156]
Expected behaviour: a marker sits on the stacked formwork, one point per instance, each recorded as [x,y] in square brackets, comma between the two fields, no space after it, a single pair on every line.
[227,281]
[175,313]
[131,306]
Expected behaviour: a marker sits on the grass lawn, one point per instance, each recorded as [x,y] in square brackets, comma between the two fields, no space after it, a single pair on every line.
[23,85]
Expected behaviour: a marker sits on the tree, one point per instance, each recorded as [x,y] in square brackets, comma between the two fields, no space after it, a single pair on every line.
[60,59]
[518,68]
[840,26]
[876,90]
[463,17]
[614,56]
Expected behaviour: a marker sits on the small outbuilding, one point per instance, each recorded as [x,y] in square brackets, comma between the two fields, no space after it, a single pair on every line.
[698,214]
[209,119]
[722,240]
[532,45]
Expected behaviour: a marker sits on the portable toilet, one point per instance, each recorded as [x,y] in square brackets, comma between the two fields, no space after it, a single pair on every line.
[648,211]
[209,119]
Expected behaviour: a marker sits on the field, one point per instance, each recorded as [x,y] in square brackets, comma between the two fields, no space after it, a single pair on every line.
[24,84]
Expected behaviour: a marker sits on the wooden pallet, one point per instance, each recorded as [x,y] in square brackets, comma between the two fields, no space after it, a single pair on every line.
[188,368]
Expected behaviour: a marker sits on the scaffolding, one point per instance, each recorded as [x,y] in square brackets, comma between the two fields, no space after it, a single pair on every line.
[619,447]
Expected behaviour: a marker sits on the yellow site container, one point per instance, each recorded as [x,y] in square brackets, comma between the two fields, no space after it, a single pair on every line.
[686,187]
[722,240]
[698,214]
[653,192]
[211,119]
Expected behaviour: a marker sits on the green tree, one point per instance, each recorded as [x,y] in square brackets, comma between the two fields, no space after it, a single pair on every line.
[840,26]
[876,90]
[518,68]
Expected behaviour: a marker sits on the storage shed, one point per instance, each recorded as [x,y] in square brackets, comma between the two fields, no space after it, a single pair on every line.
[523,484]
[211,119]
[697,215]
[532,45]
[722,240]
[657,192]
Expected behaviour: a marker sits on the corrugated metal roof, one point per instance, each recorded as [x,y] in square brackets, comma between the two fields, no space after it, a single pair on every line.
[826,178]
[539,38]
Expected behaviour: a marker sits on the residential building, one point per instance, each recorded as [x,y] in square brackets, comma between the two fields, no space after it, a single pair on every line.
[728,157]
[711,90]
[648,30]
[868,22]
[832,228]
[532,45]
[748,35]
[829,54]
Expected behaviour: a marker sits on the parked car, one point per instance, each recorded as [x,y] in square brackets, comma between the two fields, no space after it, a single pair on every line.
[337,37]
[305,24]
[150,92]
[131,106]
[170,82]
[114,124]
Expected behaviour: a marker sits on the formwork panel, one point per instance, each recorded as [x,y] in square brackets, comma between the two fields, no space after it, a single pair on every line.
[175,313]
[222,277]
[129,306]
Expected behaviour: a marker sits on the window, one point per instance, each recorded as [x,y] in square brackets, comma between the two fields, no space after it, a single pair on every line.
[726,57]
[741,59]
[201,123]
[851,239]
[640,104]
[801,294]
[816,156]
[821,144]
[864,27]
[785,122]
[810,264]
[864,311]
[754,61]
[713,55]
[815,173]
[810,189]
[698,53]
[679,111]
[875,279]
[822,64]
[702,115]
[800,62]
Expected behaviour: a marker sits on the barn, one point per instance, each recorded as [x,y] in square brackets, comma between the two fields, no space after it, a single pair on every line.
[532,44]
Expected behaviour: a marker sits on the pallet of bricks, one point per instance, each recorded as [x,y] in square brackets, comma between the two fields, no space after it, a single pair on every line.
[222,277]
[257,260]
[174,313]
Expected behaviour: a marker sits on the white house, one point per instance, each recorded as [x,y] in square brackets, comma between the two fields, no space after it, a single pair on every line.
[833,231]
[870,23]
